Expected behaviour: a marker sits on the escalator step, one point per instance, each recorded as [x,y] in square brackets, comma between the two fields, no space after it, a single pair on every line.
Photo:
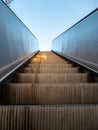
[50,65]
[50,70]
[51,78]
[49,118]
[38,59]
[49,94]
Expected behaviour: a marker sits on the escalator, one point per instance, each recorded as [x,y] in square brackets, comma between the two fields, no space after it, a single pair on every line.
[49,93]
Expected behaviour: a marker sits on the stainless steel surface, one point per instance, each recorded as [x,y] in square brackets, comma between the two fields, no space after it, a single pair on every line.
[80,42]
[16,41]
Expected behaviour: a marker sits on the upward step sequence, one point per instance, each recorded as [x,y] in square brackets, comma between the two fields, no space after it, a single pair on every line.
[49,93]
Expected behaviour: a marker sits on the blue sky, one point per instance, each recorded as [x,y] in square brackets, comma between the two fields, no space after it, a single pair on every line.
[49,18]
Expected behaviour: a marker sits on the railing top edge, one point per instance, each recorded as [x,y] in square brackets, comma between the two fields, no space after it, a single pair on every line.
[3,3]
[78,22]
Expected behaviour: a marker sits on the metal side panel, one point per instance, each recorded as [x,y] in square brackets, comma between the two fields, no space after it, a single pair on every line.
[16,41]
[80,42]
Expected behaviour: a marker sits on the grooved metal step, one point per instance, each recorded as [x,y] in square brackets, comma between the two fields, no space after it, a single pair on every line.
[52,78]
[50,65]
[50,70]
[49,94]
[49,117]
